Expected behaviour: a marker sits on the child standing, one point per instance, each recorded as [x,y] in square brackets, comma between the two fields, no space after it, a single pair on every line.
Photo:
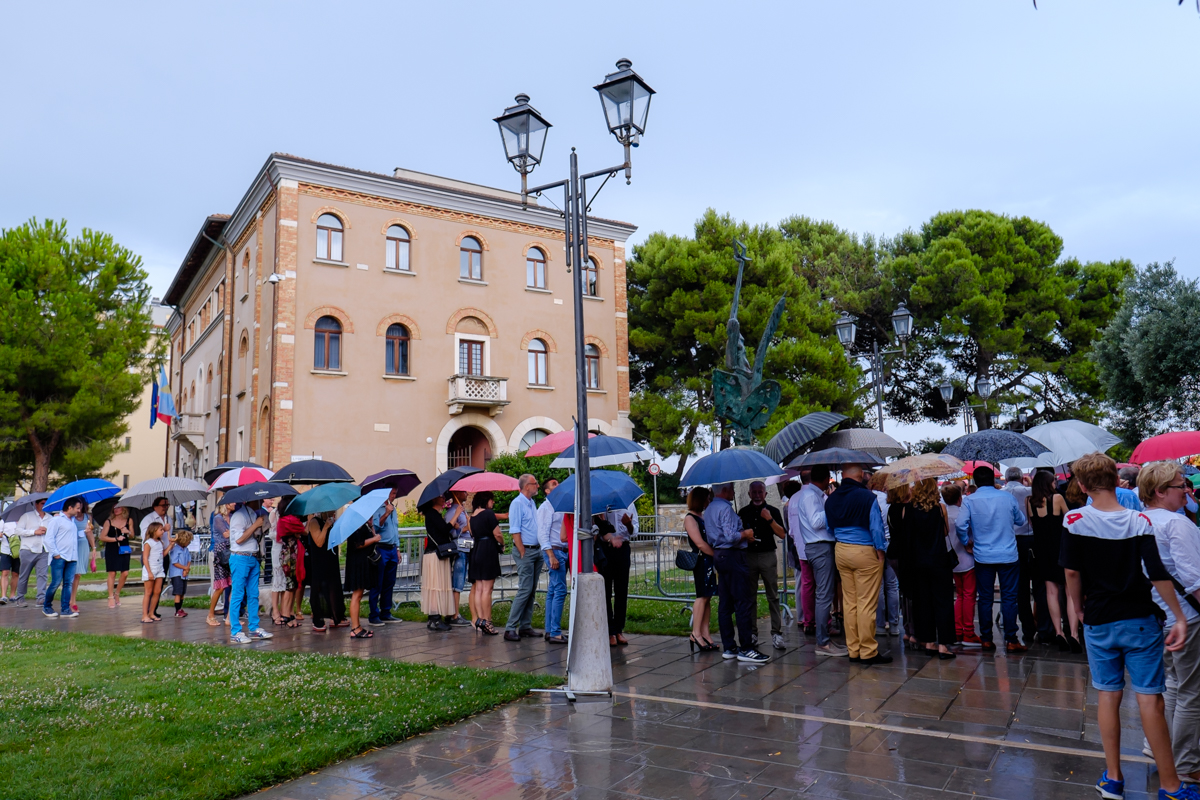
[152,571]
[1103,554]
[10,562]
[181,565]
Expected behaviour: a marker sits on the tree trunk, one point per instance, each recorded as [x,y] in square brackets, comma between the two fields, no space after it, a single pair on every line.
[41,461]
[688,435]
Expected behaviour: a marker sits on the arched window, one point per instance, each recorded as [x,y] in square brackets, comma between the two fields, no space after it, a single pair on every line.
[470,259]
[398,243]
[591,278]
[397,350]
[591,359]
[539,357]
[535,269]
[208,403]
[244,366]
[531,438]
[328,351]
[329,237]
[192,398]
[246,272]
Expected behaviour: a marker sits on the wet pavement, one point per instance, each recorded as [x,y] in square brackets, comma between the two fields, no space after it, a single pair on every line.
[692,725]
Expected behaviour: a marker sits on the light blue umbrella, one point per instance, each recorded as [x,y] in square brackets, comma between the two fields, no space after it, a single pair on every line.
[733,464]
[610,490]
[327,497]
[358,514]
[90,489]
[605,451]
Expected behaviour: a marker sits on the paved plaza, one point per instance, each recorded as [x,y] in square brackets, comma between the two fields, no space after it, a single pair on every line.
[692,725]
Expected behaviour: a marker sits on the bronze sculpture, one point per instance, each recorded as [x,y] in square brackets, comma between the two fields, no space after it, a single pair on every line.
[740,395]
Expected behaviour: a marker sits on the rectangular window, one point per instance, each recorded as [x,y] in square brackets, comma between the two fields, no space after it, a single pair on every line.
[471,265]
[470,358]
[397,255]
[124,481]
[537,368]
[397,357]
[128,444]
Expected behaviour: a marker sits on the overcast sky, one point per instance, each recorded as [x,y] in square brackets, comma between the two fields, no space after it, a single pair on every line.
[140,119]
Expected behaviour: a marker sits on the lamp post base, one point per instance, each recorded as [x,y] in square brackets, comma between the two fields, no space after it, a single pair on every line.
[590,666]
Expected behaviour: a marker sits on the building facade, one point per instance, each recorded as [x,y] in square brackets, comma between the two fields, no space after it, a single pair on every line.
[387,321]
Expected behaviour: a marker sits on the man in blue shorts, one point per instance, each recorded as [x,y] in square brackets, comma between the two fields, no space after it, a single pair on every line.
[1104,550]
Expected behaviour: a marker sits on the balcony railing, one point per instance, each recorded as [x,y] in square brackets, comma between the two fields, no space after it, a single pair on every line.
[477,390]
[188,430]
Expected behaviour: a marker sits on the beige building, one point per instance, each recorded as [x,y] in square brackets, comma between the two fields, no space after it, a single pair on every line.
[141,457]
[386,321]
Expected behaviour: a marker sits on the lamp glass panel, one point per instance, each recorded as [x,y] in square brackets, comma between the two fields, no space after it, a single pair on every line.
[947,391]
[983,387]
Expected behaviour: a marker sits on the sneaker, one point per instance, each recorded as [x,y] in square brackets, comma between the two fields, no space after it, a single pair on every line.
[259,633]
[69,615]
[388,618]
[22,604]
[3,601]
[1110,789]
[971,640]
[880,631]
[1186,791]
[459,622]
[375,623]
[181,613]
[777,641]
[50,613]
[752,656]
[239,638]
[729,654]
[832,649]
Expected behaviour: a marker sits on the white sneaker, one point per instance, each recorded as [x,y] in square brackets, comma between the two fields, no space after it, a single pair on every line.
[239,638]
[832,649]
[752,656]
[777,641]
[50,614]
[259,633]
[69,616]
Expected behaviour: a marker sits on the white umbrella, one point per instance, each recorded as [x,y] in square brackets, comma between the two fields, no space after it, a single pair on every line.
[865,440]
[177,491]
[1067,440]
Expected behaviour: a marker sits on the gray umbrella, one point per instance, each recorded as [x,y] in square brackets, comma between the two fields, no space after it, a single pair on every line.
[177,490]
[868,440]
[796,435]
[835,457]
[994,446]
[23,504]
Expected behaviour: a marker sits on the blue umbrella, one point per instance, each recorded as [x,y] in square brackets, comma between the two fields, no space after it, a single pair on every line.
[798,434]
[726,466]
[90,489]
[259,490]
[357,515]
[610,489]
[605,451]
[329,497]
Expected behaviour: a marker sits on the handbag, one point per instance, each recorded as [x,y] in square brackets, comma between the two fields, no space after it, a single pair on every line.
[221,558]
[446,551]
[124,550]
[686,560]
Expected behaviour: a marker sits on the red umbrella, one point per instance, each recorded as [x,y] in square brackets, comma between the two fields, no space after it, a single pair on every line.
[1167,447]
[971,466]
[553,444]
[486,482]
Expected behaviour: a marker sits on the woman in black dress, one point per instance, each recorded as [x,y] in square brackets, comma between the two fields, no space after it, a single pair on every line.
[323,574]
[898,499]
[362,573]
[1046,509]
[704,574]
[483,562]
[116,535]
[928,575]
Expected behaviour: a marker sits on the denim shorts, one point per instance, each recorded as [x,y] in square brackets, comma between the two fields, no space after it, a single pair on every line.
[1128,644]
[458,573]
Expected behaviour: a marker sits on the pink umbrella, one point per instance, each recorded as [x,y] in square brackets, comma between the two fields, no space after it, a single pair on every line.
[486,482]
[971,466]
[241,477]
[1167,447]
[553,444]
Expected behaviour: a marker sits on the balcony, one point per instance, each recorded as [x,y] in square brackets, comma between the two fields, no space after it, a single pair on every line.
[188,430]
[477,390]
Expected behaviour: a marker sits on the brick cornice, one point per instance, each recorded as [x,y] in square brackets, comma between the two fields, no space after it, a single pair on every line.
[310,322]
[539,334]
[414,332]
[458,316]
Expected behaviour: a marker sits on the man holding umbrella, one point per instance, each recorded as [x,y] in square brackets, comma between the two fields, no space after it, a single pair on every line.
[31,527]
[245,530]
[728,540]
[62,547]
[380,597]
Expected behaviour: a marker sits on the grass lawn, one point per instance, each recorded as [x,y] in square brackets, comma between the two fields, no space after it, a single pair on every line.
[104,716]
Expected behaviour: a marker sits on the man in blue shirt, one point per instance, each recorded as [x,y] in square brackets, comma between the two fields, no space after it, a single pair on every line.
[985,527]
[728,539]
[852,513]
[523,525]
[380,595]
[63,549]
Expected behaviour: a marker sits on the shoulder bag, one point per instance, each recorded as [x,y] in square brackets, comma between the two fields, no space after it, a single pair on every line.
[686,560]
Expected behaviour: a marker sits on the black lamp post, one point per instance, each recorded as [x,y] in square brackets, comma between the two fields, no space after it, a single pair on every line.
[983,388]
[847,331]
[625,98]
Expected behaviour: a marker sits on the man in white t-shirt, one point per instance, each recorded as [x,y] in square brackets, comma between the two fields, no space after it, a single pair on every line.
[31,527]
[246,527]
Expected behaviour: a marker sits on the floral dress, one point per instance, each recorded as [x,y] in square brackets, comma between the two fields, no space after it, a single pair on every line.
[220,543]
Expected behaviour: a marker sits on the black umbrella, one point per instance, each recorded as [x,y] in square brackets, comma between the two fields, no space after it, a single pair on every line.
[796,435]
[221,469]
[994,446]
[102,510]
[23,504]
[402,480]
[835,457]
[312,472]
[258,491]
[442,483]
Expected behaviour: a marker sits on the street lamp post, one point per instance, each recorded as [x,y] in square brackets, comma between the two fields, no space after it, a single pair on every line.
[983,388]
[625,100]
[847,331]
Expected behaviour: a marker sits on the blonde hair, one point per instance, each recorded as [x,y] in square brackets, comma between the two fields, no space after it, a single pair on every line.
[154,530]
[898,494]
[925,495]
[1154,478]
[1096,471]
[183,538]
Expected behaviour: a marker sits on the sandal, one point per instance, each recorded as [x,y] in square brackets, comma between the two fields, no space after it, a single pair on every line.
[292,623]
[362,633]
[213,621]
[343,624]
[319,628]
[487,627]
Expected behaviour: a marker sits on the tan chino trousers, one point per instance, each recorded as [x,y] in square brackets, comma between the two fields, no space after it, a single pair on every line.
[862,573]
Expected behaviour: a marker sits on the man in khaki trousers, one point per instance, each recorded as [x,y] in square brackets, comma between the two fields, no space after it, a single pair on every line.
[853,515]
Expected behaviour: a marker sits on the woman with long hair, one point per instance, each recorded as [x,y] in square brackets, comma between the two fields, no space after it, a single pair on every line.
[897,500]
[704,574]
[483,562]
[222,581]
[1045,508]
[117,535]
[927,562]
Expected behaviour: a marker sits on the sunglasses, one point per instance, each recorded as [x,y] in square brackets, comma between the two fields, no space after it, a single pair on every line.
[1183,486]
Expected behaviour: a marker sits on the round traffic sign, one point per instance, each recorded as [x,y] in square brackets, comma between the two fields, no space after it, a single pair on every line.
[654,469]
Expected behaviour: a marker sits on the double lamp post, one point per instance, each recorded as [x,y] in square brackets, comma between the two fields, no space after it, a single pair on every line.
[847,331]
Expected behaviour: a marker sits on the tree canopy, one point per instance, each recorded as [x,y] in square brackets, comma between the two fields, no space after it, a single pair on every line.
[680,292]
[75,349]
[1146,357]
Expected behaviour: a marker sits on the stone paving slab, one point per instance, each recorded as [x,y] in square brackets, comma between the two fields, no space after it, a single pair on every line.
[692,725]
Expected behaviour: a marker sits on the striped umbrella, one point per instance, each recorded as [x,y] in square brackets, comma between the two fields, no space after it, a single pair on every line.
[796,435]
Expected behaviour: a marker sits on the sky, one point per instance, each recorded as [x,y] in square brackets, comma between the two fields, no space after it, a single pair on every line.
[139,119]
